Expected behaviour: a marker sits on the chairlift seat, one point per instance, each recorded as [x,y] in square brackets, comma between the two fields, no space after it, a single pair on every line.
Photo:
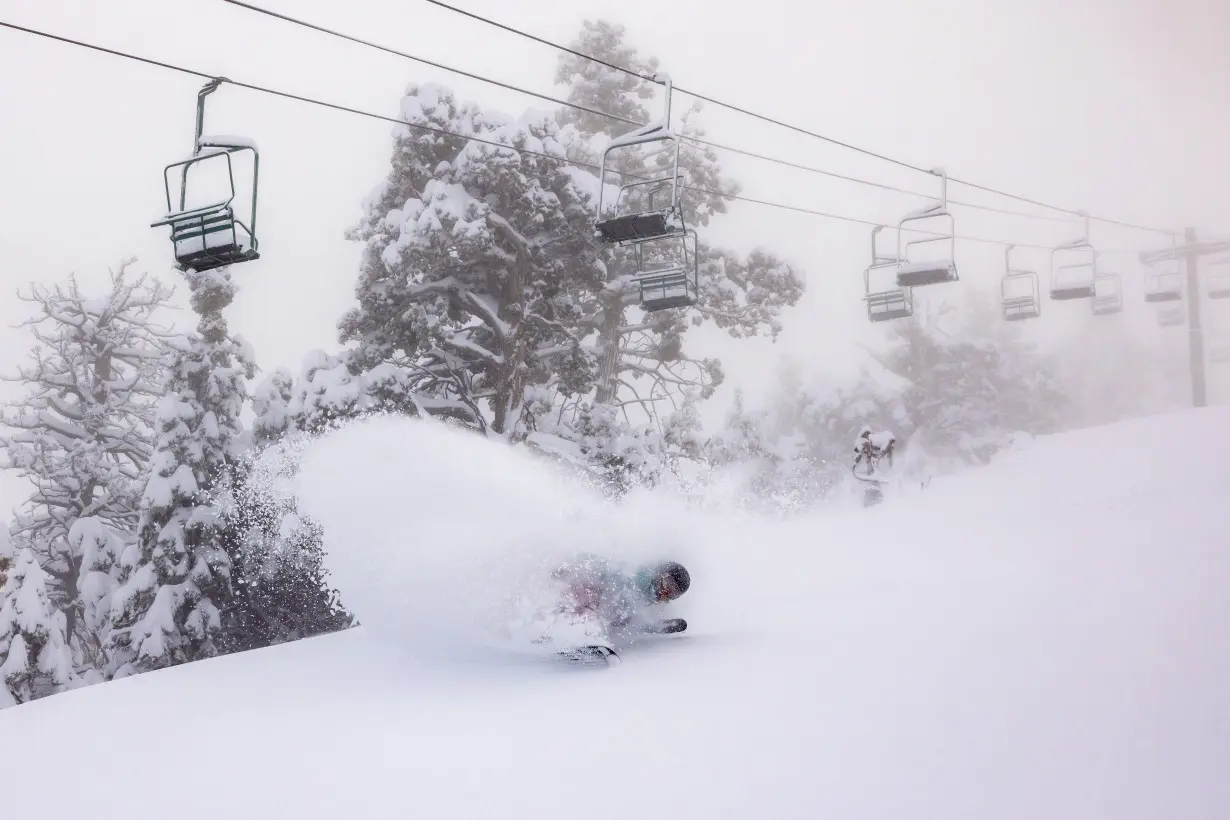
[1167,294]
[667,289]
[209,237]
[641,227]
[1219,286]
[1076,290]
[1170,318]
[1105,305]
[918,274]
[888,305]
[1017,308]
[1110,298]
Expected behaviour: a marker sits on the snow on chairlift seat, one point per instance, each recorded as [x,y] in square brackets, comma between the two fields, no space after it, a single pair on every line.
[651,222]
[667,289]
[1107,294]
[918,274]
[1073,286]
[209,237]
[1164,287]
[1077,279]
[639,227]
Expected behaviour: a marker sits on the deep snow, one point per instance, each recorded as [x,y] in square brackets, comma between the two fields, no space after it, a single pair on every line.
[1042,638]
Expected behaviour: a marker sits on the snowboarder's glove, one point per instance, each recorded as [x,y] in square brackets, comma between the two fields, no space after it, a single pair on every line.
[670,626]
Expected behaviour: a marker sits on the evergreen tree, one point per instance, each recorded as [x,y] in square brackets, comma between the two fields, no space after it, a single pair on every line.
[35,660]
[475,258]
[83,431]
[175,578]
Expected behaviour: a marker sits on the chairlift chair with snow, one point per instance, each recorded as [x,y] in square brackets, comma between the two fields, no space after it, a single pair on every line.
[210,236]
[1107,294]
[885,301]
[672,282]
[637,216]
[1075,278]
[912,273]
[1163,284]
[1020,292]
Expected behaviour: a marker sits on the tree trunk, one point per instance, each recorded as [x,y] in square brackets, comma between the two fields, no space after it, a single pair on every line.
[607,385]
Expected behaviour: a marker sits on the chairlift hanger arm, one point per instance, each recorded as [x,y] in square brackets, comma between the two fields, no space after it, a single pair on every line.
[1197,249]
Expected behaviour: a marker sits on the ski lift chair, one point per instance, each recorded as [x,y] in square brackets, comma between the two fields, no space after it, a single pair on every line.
[673,284]
[1107,294]
[1020,294]
[1219,280]
[1164,286]
[1075,279]
[634,218]
[210,236]
[917,273]
[884,301]
[1171,316]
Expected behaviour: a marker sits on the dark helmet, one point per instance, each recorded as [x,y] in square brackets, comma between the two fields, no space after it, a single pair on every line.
[678,576]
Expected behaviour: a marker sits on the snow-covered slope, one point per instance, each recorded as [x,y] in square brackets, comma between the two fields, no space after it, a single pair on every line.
[1042,638]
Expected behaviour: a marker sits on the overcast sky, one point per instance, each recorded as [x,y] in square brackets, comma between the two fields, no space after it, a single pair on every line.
[1121,107]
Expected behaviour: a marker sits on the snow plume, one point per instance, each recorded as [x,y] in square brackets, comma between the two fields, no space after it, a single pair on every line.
[436,536]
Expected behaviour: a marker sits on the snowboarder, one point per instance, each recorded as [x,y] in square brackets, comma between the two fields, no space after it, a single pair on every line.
[872,447]
[869,449]
[623,605]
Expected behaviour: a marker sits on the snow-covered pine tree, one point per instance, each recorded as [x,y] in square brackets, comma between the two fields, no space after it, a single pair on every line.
[176,577]
[83,432]
[35,660]
[476,260]
[743,296]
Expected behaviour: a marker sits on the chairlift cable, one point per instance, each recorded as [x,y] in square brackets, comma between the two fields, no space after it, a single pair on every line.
[617,118]
[470,138]
[801,130]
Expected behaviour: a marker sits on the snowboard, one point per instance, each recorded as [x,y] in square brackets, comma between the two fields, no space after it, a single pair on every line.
[596,655]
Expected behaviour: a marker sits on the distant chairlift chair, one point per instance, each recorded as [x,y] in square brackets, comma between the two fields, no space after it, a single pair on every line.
[912,274]
[1107,294]
[663,246]
[1020,292]
[1075,279]
[1171,316]
[210,236]
[1165,285]
[885,301]
[1219,279]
